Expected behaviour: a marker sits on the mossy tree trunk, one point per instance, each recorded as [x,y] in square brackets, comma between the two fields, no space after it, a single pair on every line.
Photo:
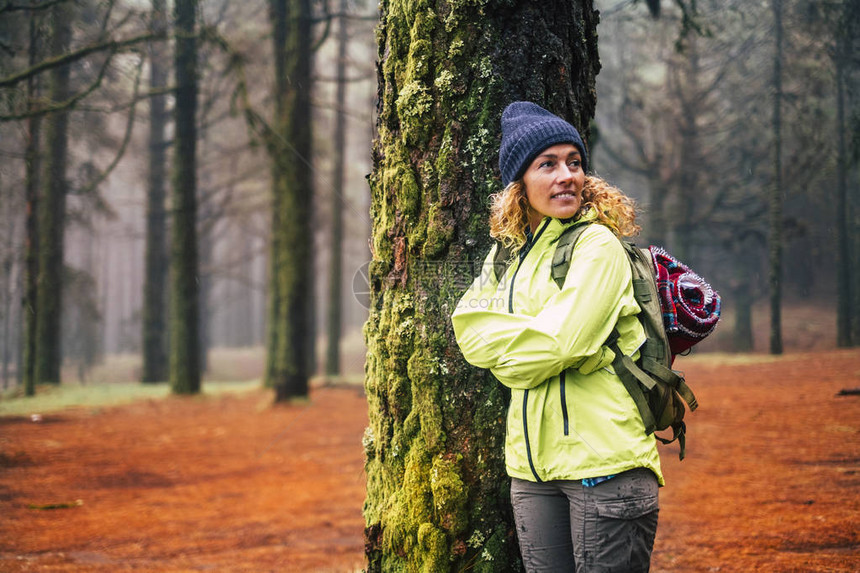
[437,493]
[290,345]
[154,311]
[184,292]
[52,209]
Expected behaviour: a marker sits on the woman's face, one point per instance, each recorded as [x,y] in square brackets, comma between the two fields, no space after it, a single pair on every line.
[554,182]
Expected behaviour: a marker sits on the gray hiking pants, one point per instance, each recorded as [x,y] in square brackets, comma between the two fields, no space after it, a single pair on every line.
[564,526]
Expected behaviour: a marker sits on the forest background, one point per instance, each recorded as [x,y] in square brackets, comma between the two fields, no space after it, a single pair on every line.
[685,124]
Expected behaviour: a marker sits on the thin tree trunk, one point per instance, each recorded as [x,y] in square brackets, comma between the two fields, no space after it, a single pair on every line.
[335,299]
[27,366]
[855,290]
[690,163]
[658,224]
[290,360]
[843,246]
[184,337]
[437,493]
[9,287]
[206,241]
[154,311]
[775,219]
[52,207]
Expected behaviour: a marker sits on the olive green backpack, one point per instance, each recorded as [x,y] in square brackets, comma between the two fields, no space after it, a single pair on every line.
[658,391]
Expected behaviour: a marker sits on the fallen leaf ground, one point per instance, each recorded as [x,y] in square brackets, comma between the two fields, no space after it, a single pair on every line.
[229,483]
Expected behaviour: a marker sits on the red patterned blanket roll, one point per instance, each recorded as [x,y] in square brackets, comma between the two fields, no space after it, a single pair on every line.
[691,308]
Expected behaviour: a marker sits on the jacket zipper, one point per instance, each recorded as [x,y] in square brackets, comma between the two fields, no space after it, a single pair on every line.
[526,433]
[561,383]
[522,255]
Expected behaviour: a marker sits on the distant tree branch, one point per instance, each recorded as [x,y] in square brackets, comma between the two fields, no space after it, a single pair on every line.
[346,80]
[347,16]
[129,127]
[30,6]
[7,48]
[621,160]
[63,105]
[139,97]
[113,46]
[327,19]
[255,121]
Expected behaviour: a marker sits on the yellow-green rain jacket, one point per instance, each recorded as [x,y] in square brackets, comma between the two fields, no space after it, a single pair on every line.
[570,416]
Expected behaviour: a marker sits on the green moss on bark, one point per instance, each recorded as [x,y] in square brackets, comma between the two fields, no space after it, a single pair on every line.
[437,494]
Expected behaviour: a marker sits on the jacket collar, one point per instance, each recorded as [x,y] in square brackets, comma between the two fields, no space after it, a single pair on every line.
[556,227]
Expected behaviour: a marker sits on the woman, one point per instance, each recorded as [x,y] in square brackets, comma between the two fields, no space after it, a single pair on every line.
[584,475]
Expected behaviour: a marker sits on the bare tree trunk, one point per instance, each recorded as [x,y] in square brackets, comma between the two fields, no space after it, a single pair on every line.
[154,311]
[690,163]
[843,241]
[335,299]
[206,280]
[437,493]
[27,367]
[290,359]
[9,288]
[775,219]
[8,318]
[658,224]
[184,336]
[52,210]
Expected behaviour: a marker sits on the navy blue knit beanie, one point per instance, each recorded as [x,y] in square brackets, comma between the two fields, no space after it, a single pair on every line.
[528,129]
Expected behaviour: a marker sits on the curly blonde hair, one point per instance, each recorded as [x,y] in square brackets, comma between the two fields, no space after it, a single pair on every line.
[509,211]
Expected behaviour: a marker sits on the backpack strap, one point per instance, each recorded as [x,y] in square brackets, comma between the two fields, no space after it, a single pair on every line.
[501,260]
[671,378]
[635,378]
[564,252]
[631,376]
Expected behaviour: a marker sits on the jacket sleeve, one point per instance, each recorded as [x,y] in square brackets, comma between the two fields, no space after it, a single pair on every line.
[523,351]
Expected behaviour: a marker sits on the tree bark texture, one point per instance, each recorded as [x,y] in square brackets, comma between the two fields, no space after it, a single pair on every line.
[155,277]
[335,299]
[437,493]
[52,210]
[776,192]
[290,345]
[184,336]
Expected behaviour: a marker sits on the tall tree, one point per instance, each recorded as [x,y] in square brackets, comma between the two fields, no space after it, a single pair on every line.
[843,238]
[846,56]
[437,495]
[776,191]
[290,344]
[335,300]
[52,207]
[184,299]
[155,276]
[32,158]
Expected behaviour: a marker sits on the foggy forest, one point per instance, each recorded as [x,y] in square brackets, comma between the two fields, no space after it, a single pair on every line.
[685,123]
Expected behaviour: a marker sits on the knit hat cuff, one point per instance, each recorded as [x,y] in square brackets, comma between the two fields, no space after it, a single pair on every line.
[538,138]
